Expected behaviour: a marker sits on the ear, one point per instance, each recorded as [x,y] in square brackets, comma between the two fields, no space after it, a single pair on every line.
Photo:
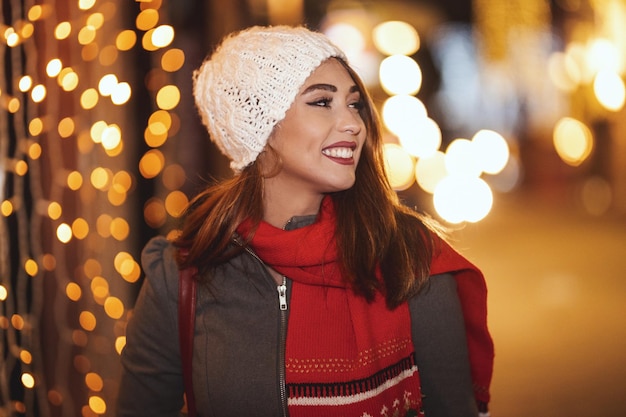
[269,160]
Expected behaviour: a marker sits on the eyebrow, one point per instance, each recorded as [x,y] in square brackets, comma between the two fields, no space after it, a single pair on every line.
[328,87]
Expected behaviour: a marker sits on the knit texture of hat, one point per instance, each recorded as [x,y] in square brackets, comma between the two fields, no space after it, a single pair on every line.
[245,88]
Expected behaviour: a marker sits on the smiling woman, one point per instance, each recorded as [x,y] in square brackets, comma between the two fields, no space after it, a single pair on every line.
[316,291]
[317,144]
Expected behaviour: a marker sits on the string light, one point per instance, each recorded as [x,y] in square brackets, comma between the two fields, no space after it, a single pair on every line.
[67,213]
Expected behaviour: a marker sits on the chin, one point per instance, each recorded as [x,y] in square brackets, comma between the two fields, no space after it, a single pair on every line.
[343,186]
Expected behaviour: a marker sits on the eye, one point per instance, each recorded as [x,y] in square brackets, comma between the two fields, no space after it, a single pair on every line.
[358,105]
[322,102]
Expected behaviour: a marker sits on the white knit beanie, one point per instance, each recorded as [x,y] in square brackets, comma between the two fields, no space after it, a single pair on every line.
[251,80]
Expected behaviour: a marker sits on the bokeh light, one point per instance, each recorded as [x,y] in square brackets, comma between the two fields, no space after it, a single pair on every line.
[610,90]
[399,166]
[462,198]
[400,74]
[573,141]
[396,37]
[424,141]
[402,114]
[492,151]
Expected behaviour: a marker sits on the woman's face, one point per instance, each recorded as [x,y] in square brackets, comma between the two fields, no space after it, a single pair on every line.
[321,137]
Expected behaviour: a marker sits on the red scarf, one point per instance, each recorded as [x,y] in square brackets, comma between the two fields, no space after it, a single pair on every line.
[344,356]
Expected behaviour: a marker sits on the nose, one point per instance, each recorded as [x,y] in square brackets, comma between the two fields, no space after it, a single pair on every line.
[350,121]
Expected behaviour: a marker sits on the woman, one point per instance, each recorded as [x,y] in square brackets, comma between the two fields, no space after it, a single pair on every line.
[319,293]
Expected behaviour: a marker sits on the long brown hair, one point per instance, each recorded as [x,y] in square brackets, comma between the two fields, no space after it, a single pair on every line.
[374,229]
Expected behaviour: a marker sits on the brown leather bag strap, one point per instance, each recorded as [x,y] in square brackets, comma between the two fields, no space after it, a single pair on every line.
[186,326]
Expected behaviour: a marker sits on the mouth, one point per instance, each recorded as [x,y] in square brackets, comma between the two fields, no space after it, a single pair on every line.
[341,152]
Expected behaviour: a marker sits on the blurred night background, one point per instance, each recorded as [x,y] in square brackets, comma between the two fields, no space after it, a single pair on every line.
[504,119]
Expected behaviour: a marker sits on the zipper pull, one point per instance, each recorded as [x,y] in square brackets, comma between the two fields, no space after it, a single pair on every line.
[282,295]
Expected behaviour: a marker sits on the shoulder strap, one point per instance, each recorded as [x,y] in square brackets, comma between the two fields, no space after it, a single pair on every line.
[186,326]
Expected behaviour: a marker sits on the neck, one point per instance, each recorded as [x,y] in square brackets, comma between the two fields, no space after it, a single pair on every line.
[281,204]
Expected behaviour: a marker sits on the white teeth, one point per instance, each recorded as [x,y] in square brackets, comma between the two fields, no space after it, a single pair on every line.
[338,152]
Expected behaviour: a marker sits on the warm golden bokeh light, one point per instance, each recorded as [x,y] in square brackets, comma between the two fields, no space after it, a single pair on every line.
[172,60]
[94,381]
[396,37]
[100,178]
[125,40]
[68,79]
[120,228]
[64,233]
[121,93]
[63,30]
[151,164]
[111,137]
[107,84]
[34,151]
[86,35]
[462,159]
[31,267]
[25,83]
[610,90]
[28,380]
[155,135]
[96,131]
[347,37]
[54,67]
[25,356]
[54,210]
[400,74]
[87,320]
[147,19]
[6,208]
[429,171]
[491,150]
[162,36]
[35,12]
[154,213]
[35,127]
[114,307]
[97,405]
[89,98]
[103,225]
[460,198]
[120,343]
[66,127]
[21,168]
[563,71]
[402,114]
[73,291]
[168,97]
[96,20]
[86,4]
[175,203]
[80,228]
[14,105]
[17,321]
[399,166]
[146,41]
[572,140]
[424,141]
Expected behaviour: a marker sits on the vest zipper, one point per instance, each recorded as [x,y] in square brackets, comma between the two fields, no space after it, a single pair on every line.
[282,344]
[282,334]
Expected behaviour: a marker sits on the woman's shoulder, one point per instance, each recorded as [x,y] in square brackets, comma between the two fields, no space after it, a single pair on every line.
[159,263]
